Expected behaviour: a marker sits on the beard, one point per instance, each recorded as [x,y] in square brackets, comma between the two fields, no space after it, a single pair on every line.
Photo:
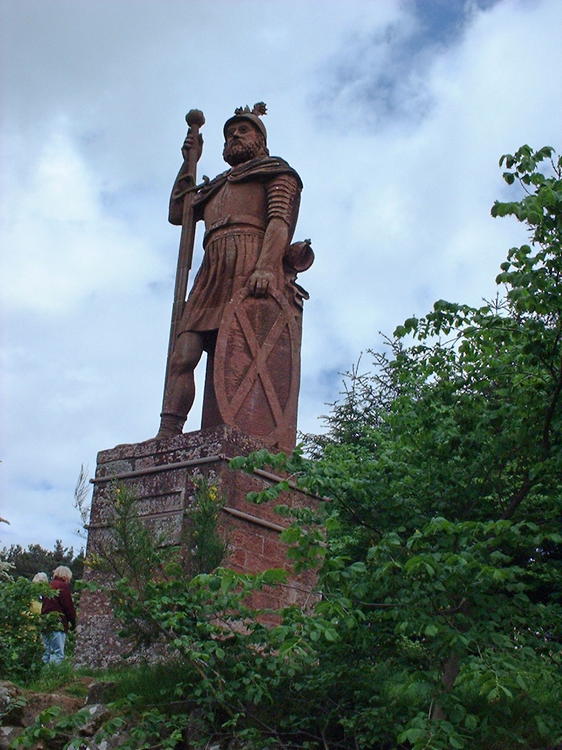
[239,152]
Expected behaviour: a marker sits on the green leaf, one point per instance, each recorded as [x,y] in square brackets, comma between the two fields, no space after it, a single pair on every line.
[330,634]
[412,735]
[455,742]
[471,721]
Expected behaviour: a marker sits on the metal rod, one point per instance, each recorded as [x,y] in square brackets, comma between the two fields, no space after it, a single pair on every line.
[162,467]
[292,485]
[253,519]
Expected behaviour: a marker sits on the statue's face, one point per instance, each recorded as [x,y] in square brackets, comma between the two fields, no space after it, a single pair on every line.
[240,130]
[243,142]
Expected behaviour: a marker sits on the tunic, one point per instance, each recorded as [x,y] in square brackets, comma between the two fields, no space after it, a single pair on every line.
[236,207]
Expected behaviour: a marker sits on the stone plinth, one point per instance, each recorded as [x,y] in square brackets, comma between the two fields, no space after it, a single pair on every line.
[162,475]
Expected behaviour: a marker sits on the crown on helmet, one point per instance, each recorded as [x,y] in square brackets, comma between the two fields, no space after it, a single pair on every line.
[252,115]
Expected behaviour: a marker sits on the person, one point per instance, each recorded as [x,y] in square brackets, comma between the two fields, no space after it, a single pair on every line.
[62,604]
[249,212]
[36,604]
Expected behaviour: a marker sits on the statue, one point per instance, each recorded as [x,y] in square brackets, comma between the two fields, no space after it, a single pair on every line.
[245,306]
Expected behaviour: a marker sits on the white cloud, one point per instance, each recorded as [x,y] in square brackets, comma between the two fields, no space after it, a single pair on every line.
[63,243]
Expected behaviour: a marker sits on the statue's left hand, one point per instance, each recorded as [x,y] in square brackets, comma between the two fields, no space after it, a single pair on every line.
[189,143]
[260,282]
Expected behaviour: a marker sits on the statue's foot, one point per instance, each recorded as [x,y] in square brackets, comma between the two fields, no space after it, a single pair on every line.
[170,426]
[164,435]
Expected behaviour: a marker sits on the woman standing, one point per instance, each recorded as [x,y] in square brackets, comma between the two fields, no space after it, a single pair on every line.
[62,603]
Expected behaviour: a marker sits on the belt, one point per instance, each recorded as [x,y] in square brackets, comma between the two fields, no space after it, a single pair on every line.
[231,222]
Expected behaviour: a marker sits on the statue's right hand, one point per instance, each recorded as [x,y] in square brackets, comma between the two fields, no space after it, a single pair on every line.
[191,142]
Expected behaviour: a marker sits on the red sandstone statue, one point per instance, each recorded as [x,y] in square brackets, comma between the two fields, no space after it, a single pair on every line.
[245,307]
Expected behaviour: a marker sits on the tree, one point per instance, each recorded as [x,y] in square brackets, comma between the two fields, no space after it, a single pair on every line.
[36,558]
[441,579]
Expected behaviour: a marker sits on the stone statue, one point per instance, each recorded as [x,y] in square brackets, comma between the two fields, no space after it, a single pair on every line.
[245,306]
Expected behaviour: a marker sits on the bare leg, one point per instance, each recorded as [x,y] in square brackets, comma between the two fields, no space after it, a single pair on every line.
[180,388]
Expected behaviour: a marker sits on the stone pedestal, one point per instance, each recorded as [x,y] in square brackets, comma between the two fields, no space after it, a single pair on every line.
[161,475]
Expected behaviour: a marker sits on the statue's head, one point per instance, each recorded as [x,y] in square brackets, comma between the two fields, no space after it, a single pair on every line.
[245,135]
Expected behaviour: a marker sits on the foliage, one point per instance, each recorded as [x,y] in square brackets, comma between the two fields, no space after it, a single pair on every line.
[5,570]
[28,562]
[20,644]
[53,728]
[440,551]
[206,546]
[146,570]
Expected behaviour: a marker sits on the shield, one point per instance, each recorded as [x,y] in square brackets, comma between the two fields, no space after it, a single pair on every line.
[257,367]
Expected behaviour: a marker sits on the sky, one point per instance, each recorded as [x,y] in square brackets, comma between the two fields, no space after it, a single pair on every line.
[394,113]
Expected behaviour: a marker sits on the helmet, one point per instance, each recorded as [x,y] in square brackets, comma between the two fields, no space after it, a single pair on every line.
[251,115]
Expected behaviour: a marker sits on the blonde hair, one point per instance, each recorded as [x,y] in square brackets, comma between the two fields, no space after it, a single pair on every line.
[40,578]
[62,572]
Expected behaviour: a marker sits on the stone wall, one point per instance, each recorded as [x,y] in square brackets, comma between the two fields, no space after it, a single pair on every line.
[162,475]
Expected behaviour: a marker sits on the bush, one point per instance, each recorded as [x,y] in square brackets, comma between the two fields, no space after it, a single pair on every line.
[20,643]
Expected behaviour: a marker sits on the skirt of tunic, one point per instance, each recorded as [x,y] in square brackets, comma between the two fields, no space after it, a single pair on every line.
[230,258]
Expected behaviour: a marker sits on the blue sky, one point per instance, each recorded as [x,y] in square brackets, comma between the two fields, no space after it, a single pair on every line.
[394,113]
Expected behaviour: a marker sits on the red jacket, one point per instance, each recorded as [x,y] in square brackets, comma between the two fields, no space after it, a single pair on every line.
[62,603]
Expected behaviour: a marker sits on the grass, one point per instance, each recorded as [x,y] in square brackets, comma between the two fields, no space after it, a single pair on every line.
[55,676]
[150,683]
